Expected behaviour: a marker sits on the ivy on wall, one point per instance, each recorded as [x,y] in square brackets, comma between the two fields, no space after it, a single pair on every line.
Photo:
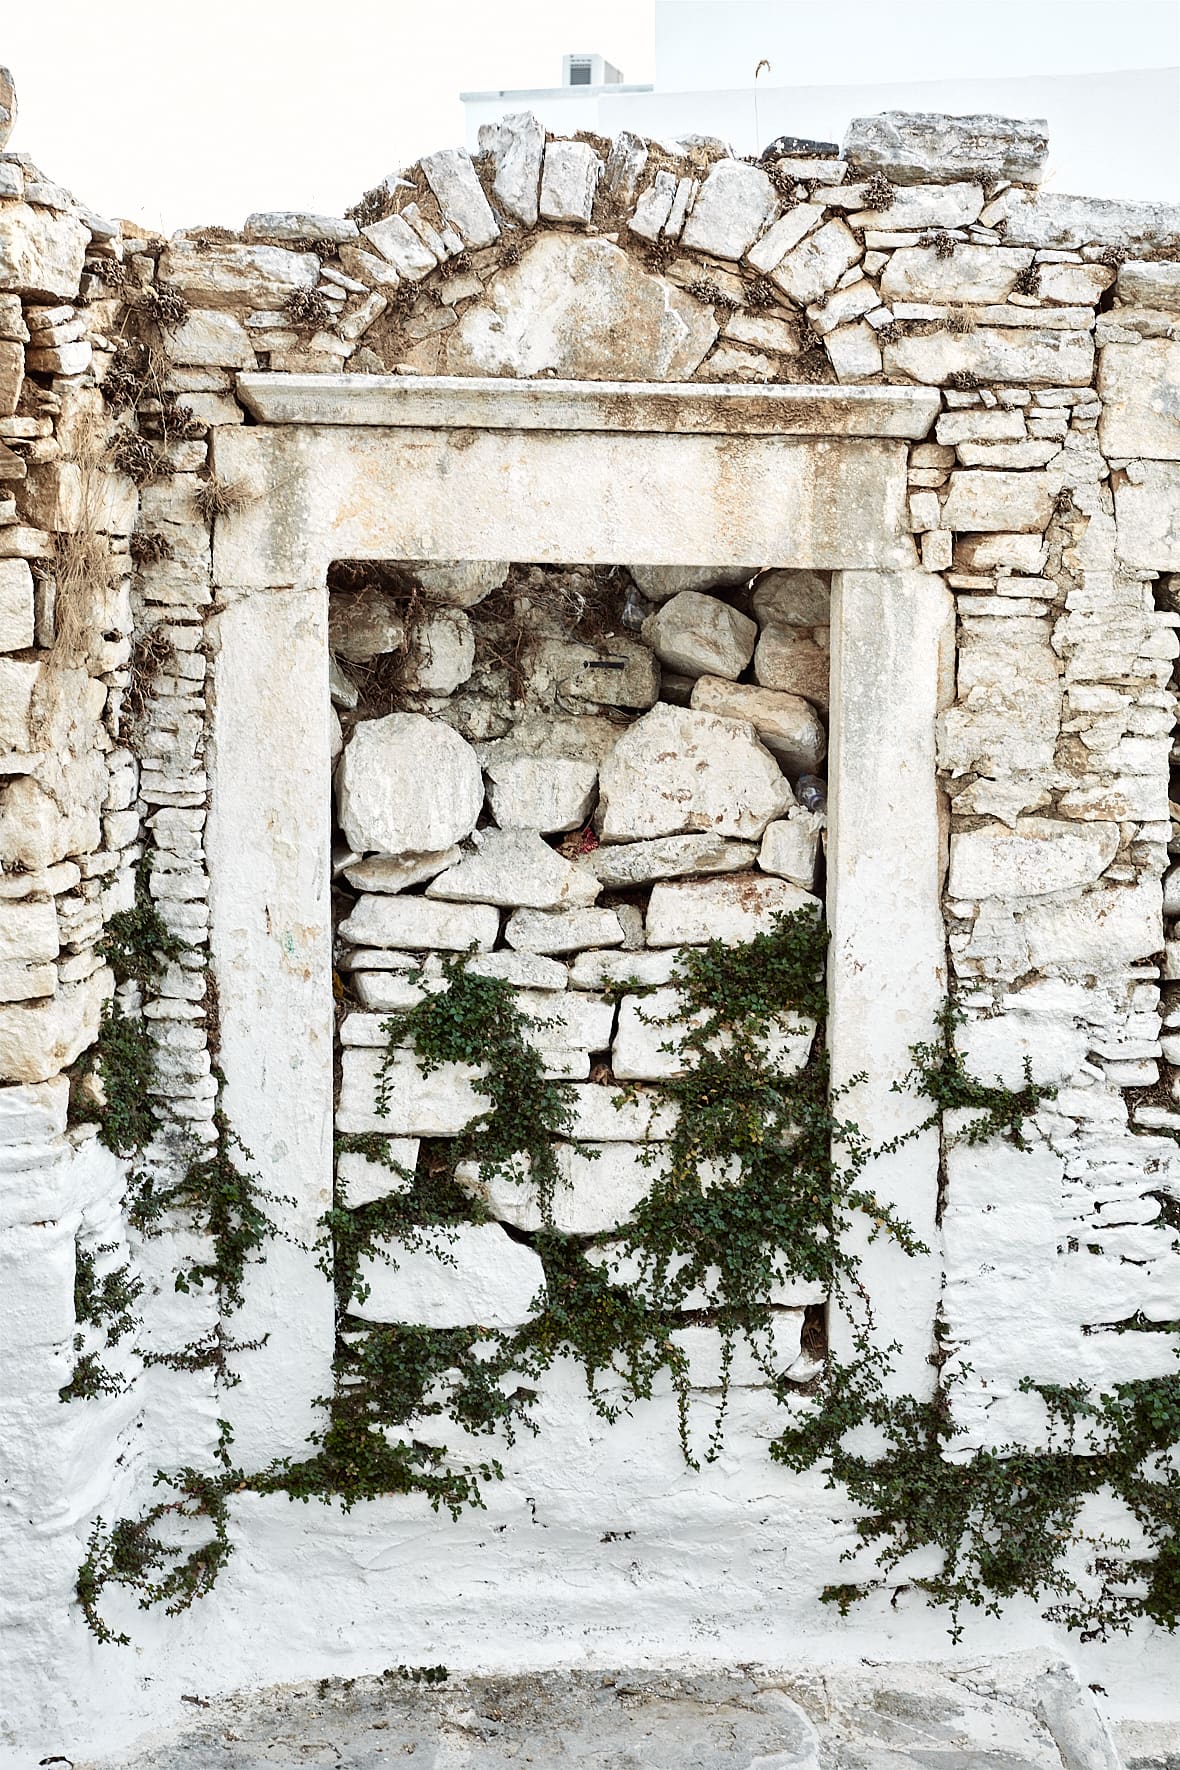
[757,1187]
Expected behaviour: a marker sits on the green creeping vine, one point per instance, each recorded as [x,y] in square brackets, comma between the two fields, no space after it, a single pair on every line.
[754,1189]
[108,1303]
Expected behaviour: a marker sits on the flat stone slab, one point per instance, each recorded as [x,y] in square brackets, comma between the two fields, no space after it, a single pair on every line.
[502,403]
[1018,1712]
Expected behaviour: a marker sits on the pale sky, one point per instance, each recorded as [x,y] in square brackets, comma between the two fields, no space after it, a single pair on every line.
[177,114]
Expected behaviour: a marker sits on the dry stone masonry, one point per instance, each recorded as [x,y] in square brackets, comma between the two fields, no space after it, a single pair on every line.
[573,773]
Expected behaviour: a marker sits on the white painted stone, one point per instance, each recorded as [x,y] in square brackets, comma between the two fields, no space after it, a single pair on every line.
[452,177]
[854,352]
[1139,385]
[581,309]
[567,1020]
[676,770]
[546,793]
[1030,357]
[383,992]
[401,247]
[562,931]
[660,582]
[517,145]
[731,910]
[994,1049]
[407,784]
[439,1104]
[921,206]
[972,274]
[28,931]
[362,1181]
[1147,513]
[981,500]
[790,847]
[1109,926]
[525,970]
[734,206]
[768,252]
[442,652]
[786,723]
[569,181]
[613,1115]
[647,1037]
[816,265]
[595,970]
[667,857]
[37,1113]
[1038,856]
[598,1187]
[470,1276]
[236,275]
[911,146]
[416,924]
[515,868]
[384,872]
[700,635]
[211,339]
[16,605]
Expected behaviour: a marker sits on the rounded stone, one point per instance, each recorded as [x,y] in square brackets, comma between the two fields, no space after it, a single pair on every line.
[792,599]
[701,636]
[407,785]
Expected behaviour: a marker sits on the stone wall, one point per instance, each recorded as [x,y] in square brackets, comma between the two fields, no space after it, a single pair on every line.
[1046,496]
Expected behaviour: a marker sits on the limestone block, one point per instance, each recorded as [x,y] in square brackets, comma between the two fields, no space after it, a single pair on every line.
[817,263]
[246,276]
[1036,357]
[460,583]
[567,1020]
[1026,554]
[1139,385]
[584,310]
[298,224]
[917,206]
[790,847]
[517,145]
[688,913]
[1110,926]
[654,207]
[787,661]
[439,1104]
[660,582]
[979,425]
[625,165]
[848,303]
[37,1113]
[734,206]
[1009,712]
[407,784]
[598,1187]
[562,931]
[382,872]
[1015,456]
[17,682]
[912,146]
[974,275]
[28,931]
[647,1037]
[786,723]
[979,500]
[546,793]
[1056,220]
[763,334]
[569,181]
[1147,516]
[442,652]
[21,982]
[7,106]
[792,599]
[361,1181]
[995,1049]
[41,253]
[854,352]
[525,970]
[768,252]
[211,339]
[401,247]
[678,770]
[611,1115]
[16,605]
[452,177]
[38,1040]
[12,375]
[596,970]
[1148,284]
[667,857]
[384,992]
[472,1275]
[614,672]
[701,636]
[515,868]
[416,924]
[1070,284]
[1038,855]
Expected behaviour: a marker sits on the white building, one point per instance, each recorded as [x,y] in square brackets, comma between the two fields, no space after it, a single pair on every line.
[1104,73]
